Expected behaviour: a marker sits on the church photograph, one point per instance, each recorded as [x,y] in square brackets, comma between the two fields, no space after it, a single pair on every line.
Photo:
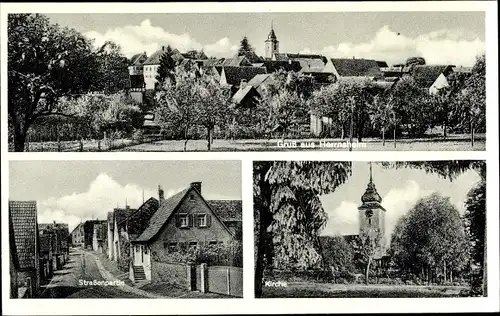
[370,229]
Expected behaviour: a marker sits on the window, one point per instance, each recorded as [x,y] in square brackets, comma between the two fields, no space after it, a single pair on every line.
[171,247]
[202,220]
[183,221]
[193,244]
[213,242]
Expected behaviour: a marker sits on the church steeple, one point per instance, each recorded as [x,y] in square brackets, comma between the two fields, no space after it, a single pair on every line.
[372,214]
[272,43]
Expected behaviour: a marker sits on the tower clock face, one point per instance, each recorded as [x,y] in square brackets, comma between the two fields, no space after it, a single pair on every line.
[369,213]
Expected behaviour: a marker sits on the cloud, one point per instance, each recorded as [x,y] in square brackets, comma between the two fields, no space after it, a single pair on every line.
[438,47]
[101,197]
[147,38]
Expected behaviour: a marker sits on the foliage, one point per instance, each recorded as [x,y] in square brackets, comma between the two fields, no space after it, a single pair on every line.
[288,212]
[430,240]
[248,51]
[47,62]
[338,255]
[415,61]
[194,54]
[412,106]
[167,67]
[287,110]
[230,254]
[382,114]
[475,217]
[366,247]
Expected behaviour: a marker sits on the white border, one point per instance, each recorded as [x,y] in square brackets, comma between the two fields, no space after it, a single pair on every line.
[248,304]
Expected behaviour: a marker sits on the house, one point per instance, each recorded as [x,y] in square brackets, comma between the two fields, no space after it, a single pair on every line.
[246,96]
[13,264]
[23,228]
[48,263]
[355,67]
[60,235]
[150,69]
[99,237]
[113,234]
[94,238]
[233,76]
[184,220]
[78,236]
[431,77]
[136,71]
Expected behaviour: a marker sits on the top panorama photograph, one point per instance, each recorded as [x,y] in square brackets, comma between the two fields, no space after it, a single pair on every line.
[349,81]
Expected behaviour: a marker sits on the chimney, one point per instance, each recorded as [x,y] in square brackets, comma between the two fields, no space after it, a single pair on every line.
[197,186]
[243,83]
[161,194]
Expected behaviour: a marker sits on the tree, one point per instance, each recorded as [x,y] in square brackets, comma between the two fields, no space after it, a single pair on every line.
[288,212]
[383,116]
[431,240]
[211,105]
[45,62]
[337,254]
[167,67]
[248,51]
[287,110]
[475,216]
[413,106]
[472,100]
[365,247]
[175,110]
[412,61]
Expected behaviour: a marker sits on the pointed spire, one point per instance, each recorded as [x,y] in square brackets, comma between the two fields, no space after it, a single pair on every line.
[371,178]
[272,24]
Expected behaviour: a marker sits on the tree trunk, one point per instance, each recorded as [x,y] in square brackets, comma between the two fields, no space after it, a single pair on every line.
[444,271]
[342,132]
[394,137]
[351,131]
[367,271]
[383,136]
[209,144]
[445,125]
[472,135]
[19,139]
[451,276]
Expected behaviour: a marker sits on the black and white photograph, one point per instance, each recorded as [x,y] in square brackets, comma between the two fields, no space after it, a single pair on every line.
[247,81]
[331,229]
[125,229]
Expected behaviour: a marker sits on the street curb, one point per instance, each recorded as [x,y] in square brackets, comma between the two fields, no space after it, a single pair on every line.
[108,276]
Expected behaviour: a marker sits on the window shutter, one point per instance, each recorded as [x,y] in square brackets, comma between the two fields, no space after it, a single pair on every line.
[190,220]
[209,220]
[196,222]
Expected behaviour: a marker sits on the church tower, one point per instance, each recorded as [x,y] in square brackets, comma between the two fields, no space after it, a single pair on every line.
[372,216]
[272,44]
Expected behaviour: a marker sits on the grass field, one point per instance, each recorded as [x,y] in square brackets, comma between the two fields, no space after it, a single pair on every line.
[453,143]
[322,290]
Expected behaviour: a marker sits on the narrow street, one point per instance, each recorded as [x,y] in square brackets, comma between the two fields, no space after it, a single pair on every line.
[82,266]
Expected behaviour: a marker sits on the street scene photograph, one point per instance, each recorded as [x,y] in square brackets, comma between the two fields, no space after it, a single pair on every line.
[350,81]
[332,229]
[125,229]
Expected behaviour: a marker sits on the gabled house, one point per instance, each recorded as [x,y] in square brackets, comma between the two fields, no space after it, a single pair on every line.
[78,236]
[47,259]
[431,77]
[184,220]
[23,230]
[136,71]
[233,76]
[113,232]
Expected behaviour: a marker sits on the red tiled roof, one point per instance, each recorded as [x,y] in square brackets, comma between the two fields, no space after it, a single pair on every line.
[23,215]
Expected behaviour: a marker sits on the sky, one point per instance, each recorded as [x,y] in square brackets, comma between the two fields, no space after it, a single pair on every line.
[400,190]
[74,191]
[440,37]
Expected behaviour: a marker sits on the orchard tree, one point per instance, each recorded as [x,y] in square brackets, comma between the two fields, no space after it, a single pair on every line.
[45,62]
[383,116]
[288,212]
[175,110]
[287,111]
[212,106]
